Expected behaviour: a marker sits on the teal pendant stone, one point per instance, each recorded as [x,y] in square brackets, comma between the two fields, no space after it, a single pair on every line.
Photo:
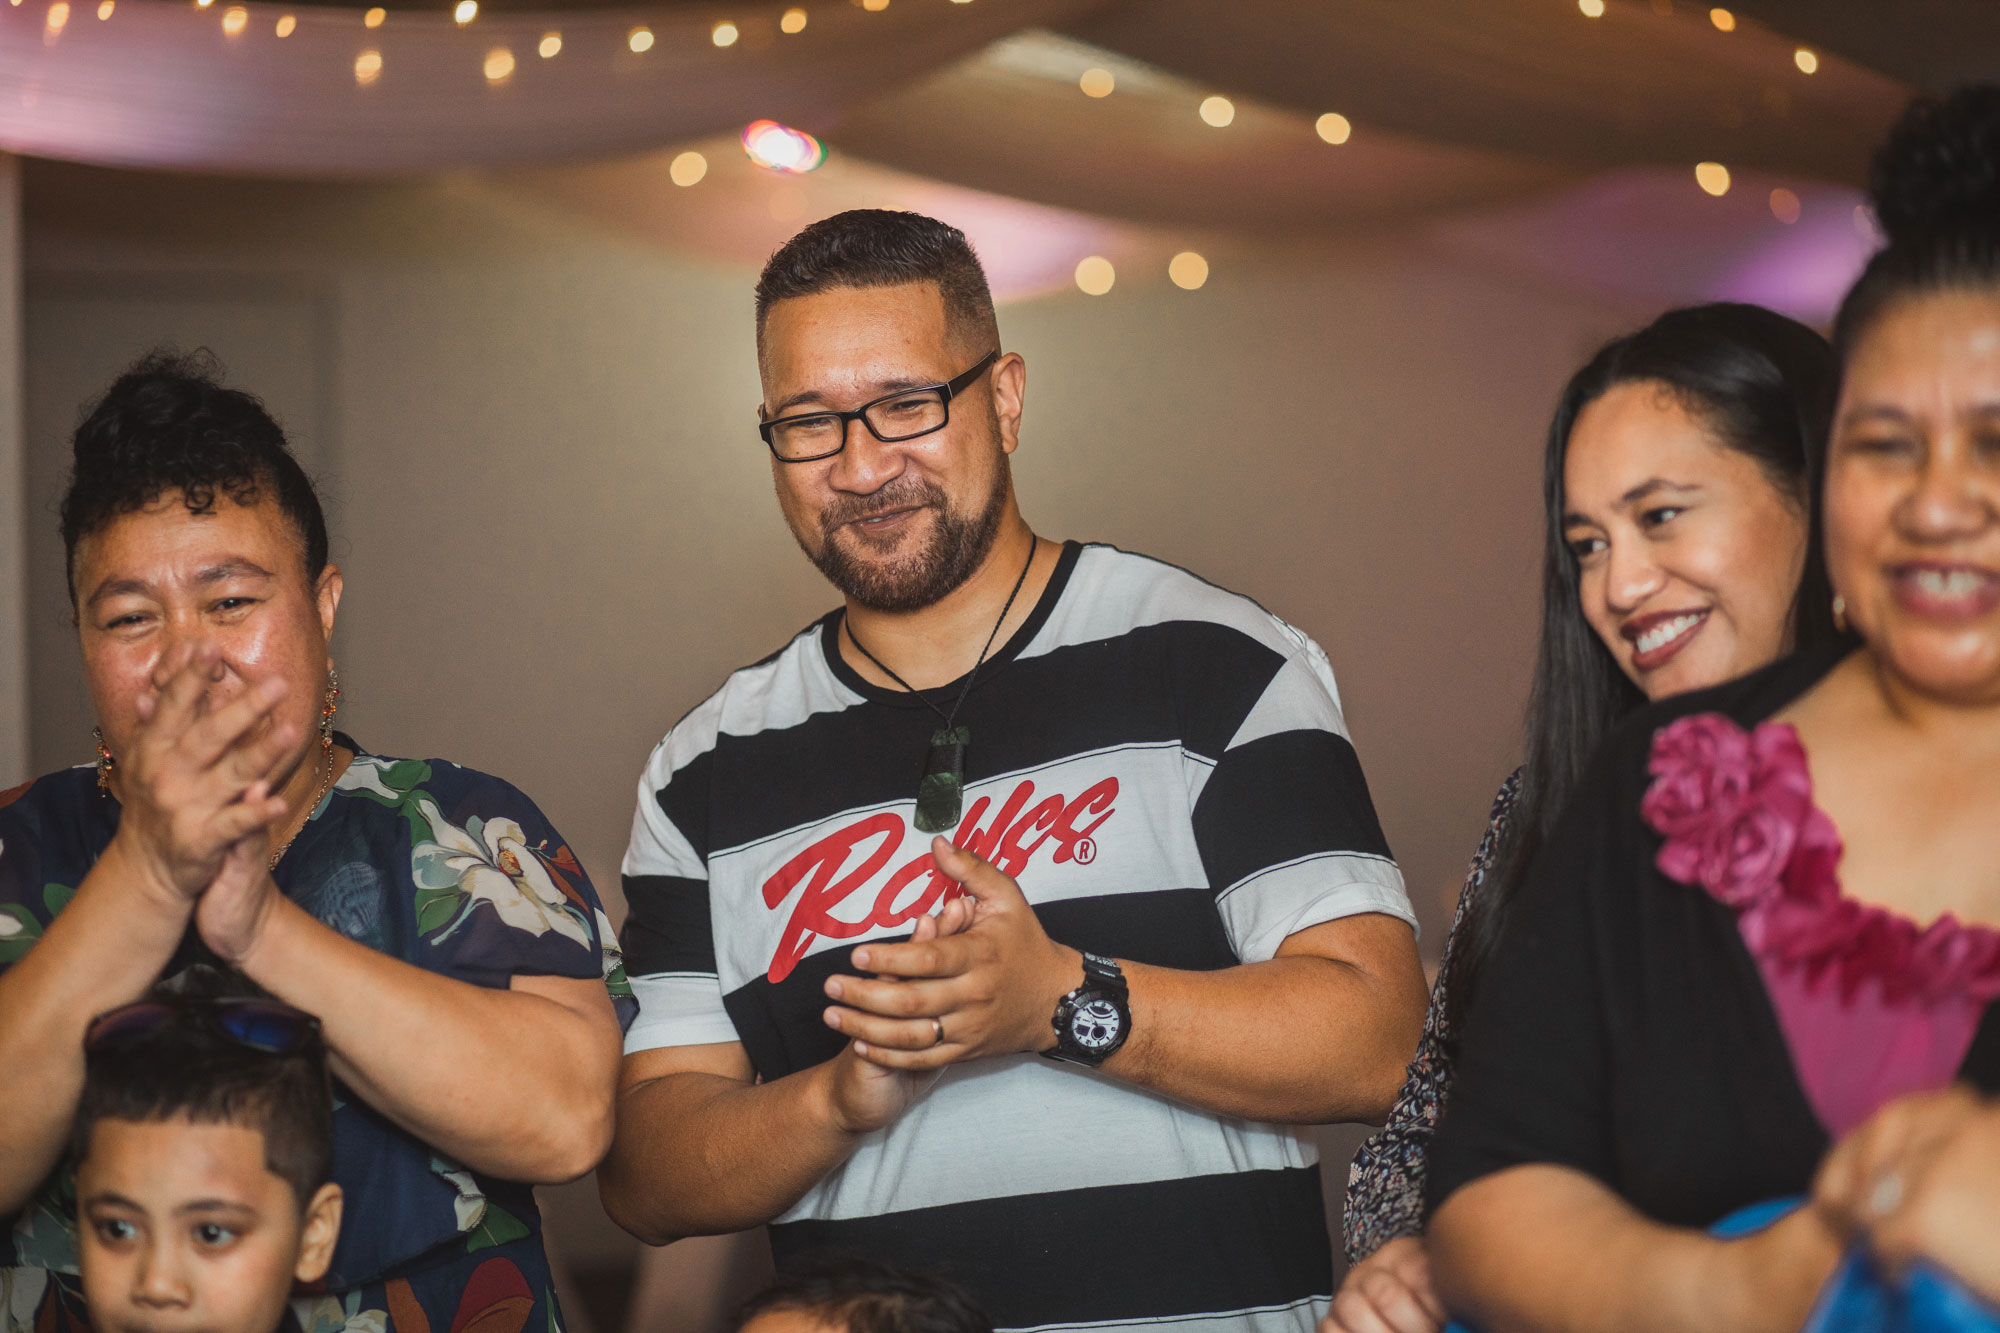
[941,793]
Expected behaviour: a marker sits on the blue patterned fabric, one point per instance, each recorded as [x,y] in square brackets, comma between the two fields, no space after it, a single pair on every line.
[443,867]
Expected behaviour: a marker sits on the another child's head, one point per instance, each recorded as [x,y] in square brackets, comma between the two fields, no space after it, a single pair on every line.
[848,1295]
[204,1150]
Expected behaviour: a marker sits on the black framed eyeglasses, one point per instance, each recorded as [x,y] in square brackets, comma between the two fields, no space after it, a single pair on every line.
[893,418]
[262,1025]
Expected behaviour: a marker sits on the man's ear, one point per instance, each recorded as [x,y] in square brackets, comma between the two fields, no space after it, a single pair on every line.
[1010,396]
[320,1233]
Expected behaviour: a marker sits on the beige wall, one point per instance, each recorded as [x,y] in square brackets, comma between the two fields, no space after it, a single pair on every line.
[556,520]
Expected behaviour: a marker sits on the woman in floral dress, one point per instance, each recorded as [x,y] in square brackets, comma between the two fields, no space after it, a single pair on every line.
[456,953]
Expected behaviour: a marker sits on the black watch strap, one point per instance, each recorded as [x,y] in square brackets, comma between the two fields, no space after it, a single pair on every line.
[1093,1021]
[1104,971]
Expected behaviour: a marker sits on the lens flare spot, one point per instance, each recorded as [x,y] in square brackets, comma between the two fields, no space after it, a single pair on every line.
[1712,177]
[781,148]
[688,169]
[1218,111]
[1188,270]
[1094,276]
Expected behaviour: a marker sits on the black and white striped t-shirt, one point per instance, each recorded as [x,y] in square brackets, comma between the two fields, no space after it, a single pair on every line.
[1163,768]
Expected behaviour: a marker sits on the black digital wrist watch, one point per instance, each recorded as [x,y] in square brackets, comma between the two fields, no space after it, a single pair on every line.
[1092,1021]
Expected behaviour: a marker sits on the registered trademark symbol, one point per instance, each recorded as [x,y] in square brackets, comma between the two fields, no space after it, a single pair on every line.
[1085,851]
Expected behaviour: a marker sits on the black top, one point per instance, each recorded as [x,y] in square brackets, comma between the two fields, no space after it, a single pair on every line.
[1621,1027]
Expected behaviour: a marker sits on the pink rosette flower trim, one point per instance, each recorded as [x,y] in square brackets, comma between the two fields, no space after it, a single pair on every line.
[1736,813]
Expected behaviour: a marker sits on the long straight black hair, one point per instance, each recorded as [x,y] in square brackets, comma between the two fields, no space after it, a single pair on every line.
[1764,384]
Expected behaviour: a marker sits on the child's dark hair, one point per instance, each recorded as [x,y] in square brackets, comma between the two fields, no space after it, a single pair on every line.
[168,424]
[866,1296]
[188,1069]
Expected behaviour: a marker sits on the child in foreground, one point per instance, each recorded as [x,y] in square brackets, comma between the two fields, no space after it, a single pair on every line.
[204,1151]
[850,1295]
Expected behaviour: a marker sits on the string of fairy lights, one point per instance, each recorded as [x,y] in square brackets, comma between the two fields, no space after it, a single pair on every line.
[782,149]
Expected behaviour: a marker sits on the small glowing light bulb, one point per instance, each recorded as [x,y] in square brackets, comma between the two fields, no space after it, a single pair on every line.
[1807,61]
[367,67]
[234,20]
[1722,19]
[1218,111]
[1097,82]
[287,25]
[499,65]
[794,20]
[688,169]
[724,34]
[1333,127]
[641,40]
[1095,275]
[374,17]
[464,12]
[551,45]
[1188,270]
[1712,177]
[1592,9]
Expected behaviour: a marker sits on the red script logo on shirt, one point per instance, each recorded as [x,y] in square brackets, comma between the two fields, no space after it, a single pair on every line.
[1008,842]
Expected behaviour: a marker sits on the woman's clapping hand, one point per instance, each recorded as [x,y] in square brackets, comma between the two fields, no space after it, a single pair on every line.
[1388,1292]
[194,779]
[1920,1181]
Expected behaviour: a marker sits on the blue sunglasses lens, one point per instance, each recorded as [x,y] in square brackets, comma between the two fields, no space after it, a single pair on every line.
[269,1028]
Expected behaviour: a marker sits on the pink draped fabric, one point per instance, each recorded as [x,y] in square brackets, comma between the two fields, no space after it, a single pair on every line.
[1871,1004]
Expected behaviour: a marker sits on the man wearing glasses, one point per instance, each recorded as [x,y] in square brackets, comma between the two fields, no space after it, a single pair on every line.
[998,926]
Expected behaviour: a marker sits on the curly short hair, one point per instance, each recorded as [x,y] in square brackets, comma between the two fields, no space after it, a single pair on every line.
[1935,188]
[879,247]
[168,425]
[866,1296]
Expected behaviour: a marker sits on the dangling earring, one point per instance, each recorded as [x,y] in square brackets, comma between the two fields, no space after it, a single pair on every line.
[327,710]
[1840,613]
[105,763]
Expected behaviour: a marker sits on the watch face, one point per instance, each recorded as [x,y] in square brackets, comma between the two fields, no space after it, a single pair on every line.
[1094,1025]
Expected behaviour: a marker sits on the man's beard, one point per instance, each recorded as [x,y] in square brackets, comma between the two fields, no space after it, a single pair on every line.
[956,546]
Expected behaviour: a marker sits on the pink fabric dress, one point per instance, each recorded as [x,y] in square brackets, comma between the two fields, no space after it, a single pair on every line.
[1872,1005]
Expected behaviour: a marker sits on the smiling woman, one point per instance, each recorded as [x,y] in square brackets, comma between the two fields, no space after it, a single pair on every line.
[427,914]
[1676,485]
[1772,913]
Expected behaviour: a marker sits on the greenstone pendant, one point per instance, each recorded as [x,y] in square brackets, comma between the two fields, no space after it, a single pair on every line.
[941,793]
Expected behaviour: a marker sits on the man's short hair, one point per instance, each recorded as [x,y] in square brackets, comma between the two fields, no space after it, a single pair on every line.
[187,1069]
[866,1296]
[878,247]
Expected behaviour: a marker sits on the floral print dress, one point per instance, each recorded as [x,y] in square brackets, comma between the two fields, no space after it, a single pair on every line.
[1385,1183]
[443,867]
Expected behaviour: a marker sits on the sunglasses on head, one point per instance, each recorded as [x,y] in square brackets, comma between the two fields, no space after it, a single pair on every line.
[261,1025]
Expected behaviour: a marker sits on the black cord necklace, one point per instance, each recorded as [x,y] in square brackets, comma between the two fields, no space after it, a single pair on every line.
[941,791]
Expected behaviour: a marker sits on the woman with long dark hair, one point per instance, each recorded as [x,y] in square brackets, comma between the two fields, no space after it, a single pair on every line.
[1771,910]
[1679,554]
